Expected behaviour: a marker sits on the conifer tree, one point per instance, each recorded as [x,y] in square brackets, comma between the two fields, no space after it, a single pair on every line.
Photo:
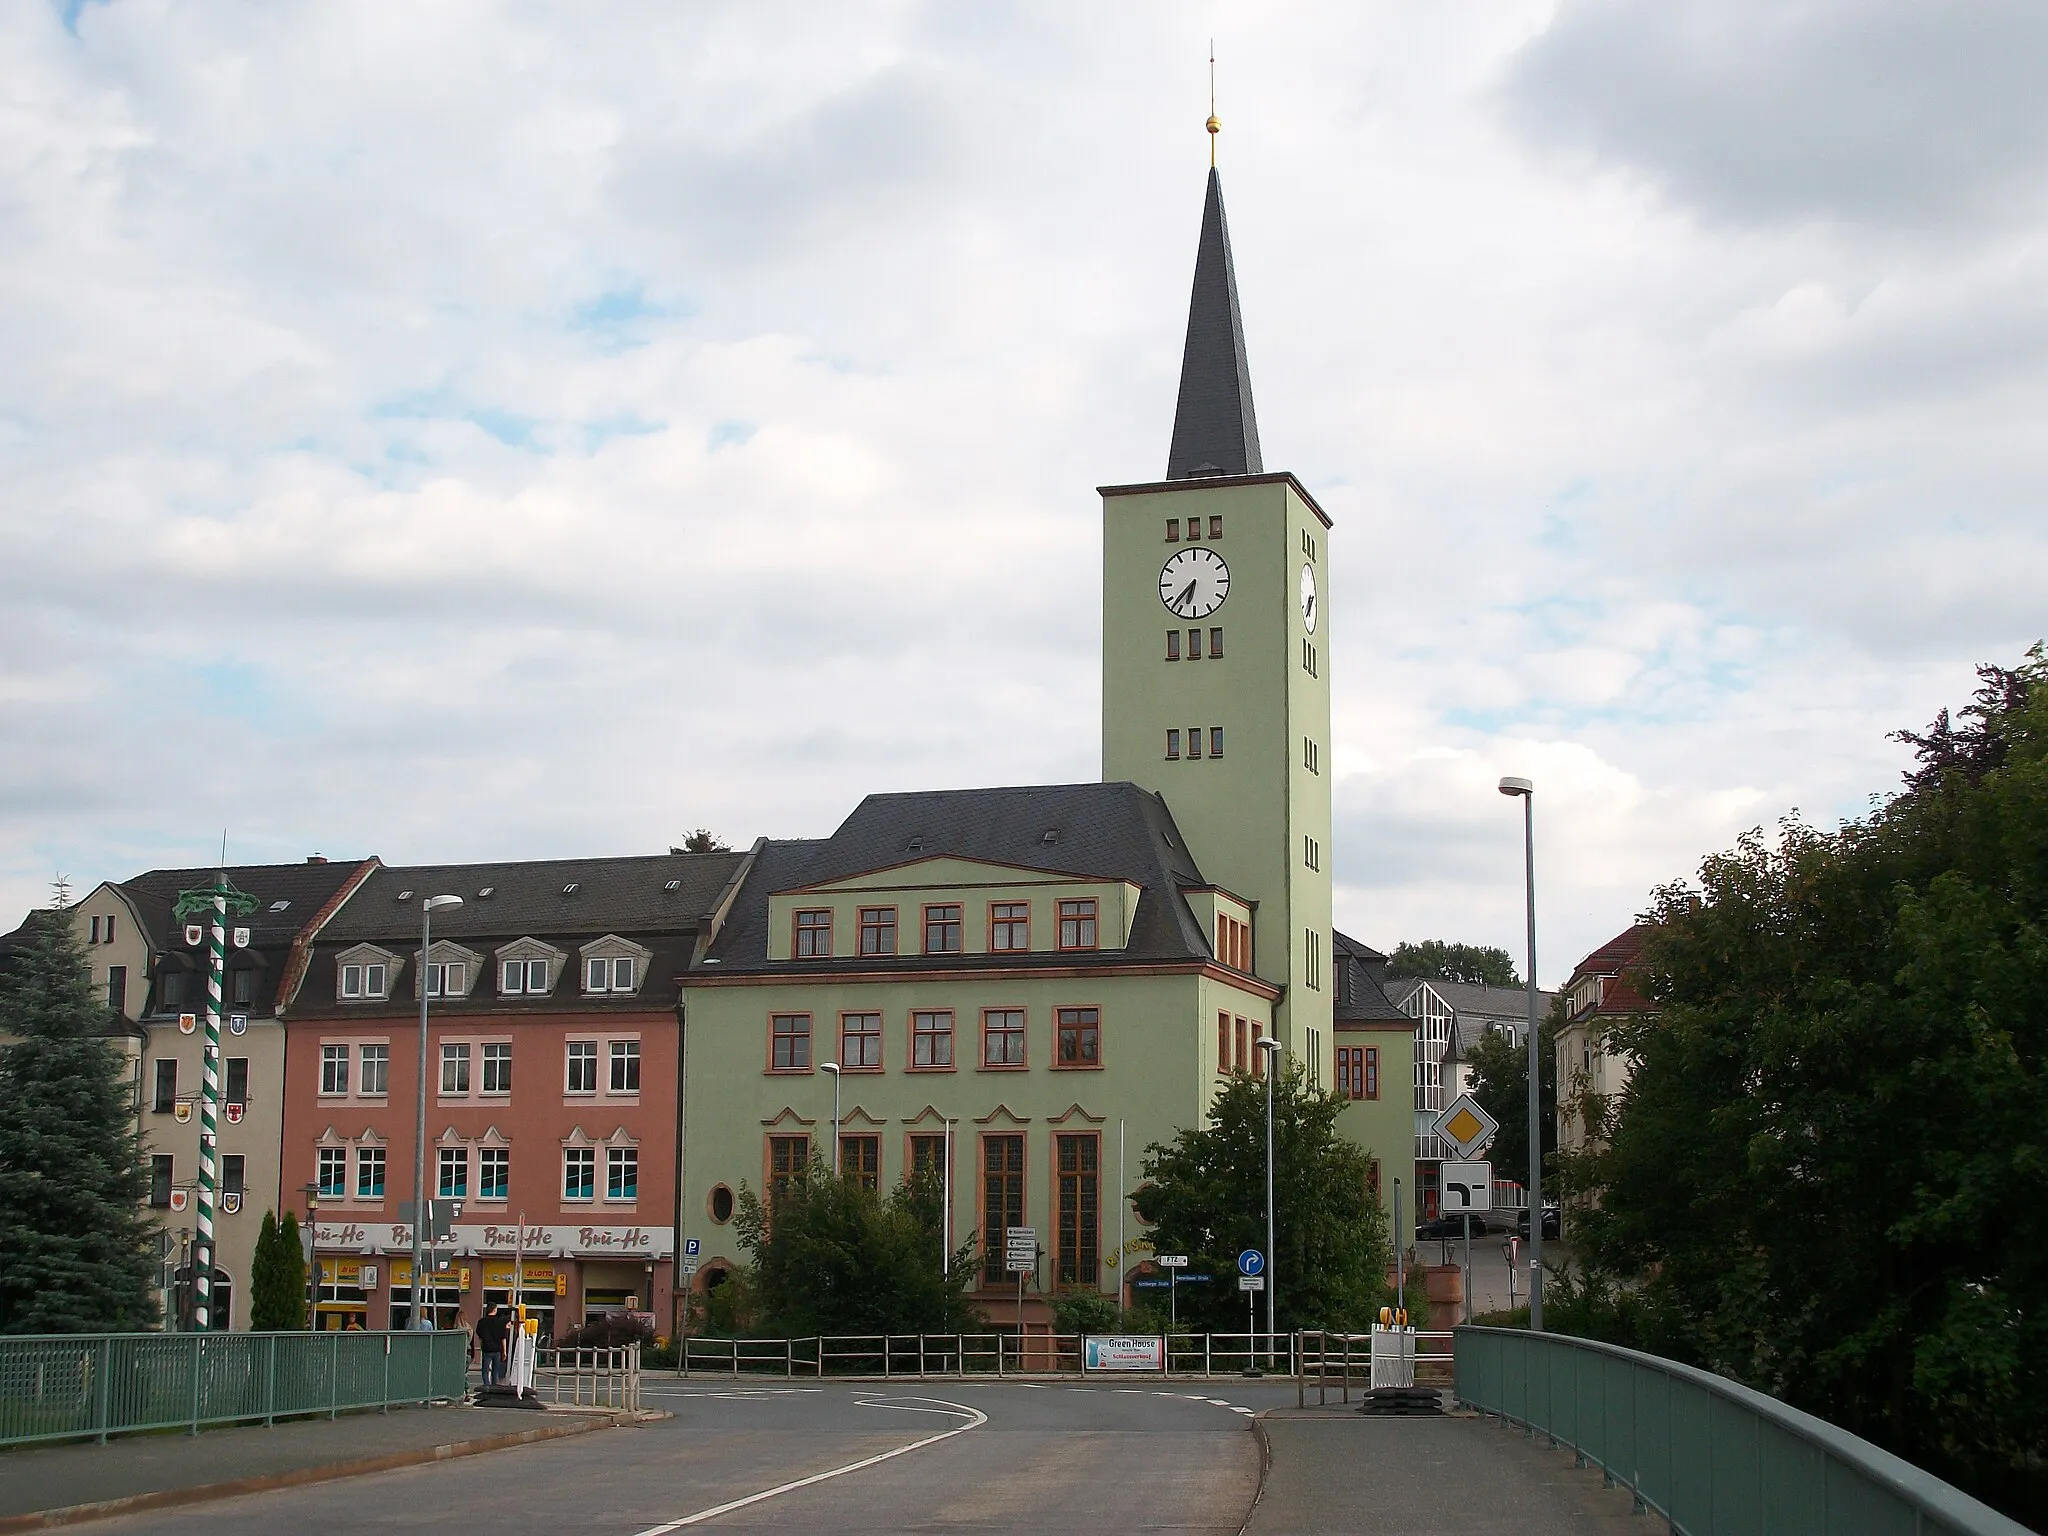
[76,1254]
[277,1280]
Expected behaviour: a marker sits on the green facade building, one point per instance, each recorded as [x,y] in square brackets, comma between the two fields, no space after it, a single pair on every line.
[1029,985]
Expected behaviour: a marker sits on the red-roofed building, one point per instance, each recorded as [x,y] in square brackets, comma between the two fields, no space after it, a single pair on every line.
[1601,992]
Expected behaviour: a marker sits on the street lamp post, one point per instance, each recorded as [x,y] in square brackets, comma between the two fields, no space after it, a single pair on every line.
[1271,1048]
[312,1246]
[833,1068]
[1525,791]
[428,908]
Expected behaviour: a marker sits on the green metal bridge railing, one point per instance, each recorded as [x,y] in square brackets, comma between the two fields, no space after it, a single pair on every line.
[1711,1456]
[80,1386]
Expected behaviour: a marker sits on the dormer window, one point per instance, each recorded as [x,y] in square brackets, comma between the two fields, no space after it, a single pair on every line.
[523,978]
[447,979]
[608,974]
[363,975]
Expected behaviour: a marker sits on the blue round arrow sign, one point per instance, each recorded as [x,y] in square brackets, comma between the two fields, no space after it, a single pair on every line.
[1251,1262]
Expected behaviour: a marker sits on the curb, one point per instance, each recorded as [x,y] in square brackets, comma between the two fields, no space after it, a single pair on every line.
[1258,1430]
[171,1498]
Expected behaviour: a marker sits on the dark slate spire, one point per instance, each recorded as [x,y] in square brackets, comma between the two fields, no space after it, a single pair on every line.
[1214,429]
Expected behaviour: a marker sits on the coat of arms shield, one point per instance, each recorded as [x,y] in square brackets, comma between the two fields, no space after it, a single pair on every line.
[235,1113]
[241,938]
[194,933]
[231,1202]
[187,1022]
[238,1023]
[179,1199]
[183,1110]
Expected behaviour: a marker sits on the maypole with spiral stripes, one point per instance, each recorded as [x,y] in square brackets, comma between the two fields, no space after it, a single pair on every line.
[217,902]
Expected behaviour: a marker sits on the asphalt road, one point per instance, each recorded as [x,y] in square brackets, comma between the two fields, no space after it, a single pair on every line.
[840,1459]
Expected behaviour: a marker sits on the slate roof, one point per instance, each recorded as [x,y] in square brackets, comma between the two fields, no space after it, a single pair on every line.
[1099,832]
[305,888]
[1360,973]
[1471,999]
[1215,431]
[625,896]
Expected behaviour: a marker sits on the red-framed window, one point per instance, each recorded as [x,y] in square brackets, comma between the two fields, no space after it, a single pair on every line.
[1077,1242]
[788,1159]
[931,1040]
[1078,926]
[1002,1200]
[942,929]
[1258,1056]
[1002,1037]
[878,930]
[1241,1033]
[860,1042]
[1080,1037]
[789,1043]
[1009,926]
[814,934]
[1222,1042]
[860,1159]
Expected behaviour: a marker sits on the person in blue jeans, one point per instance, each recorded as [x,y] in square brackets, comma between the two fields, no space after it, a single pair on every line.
[493,1330]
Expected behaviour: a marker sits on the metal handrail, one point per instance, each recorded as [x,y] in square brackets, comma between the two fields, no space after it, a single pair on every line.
[611,1373]
[1708,1454]
[1332,1361]
[921,1355]
[92,1386]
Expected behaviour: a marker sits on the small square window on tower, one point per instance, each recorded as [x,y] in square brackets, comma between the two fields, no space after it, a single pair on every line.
[1173,530]
[1194,527]
[1194,645]
[1173,645]
[1194,741]
[1216,527]
[1215,644]
[1173,744]
[1215,741]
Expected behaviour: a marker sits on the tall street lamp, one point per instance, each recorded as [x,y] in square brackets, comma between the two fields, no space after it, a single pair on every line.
[833,1068]
[1271,1048]
[1526,792]
[428,908]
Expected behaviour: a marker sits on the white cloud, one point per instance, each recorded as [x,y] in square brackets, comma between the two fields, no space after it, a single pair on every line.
[475,433]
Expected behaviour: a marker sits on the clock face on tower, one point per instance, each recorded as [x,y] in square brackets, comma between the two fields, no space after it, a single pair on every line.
[1308,597]
[1194,583]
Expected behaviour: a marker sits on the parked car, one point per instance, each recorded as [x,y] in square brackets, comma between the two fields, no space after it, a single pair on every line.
[1449,1228]
[1553,1223]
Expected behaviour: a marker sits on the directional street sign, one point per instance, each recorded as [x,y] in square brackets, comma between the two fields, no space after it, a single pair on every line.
[1173,1261]
[1251,1282]
[1020,1249]
[1466,1126]
[1251,1264]
[1467,1187]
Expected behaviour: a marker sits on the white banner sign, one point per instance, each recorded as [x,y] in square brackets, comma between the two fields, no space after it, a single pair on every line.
[536,1239]
[1123,1352]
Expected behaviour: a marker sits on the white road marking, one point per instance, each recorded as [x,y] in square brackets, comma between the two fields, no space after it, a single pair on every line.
[734,1394]
[1245,1411]
[727,1508]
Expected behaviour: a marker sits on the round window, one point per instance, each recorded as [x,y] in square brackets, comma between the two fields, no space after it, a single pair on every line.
[721,1204]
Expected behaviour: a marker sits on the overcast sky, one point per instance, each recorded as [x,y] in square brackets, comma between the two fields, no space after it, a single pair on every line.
[471,431]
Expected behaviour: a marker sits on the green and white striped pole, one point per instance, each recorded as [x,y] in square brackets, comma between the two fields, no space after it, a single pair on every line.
[217,903]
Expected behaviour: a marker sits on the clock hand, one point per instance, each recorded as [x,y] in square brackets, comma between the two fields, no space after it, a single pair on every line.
[1186,597]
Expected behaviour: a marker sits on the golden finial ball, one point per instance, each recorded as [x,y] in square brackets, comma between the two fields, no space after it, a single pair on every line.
[1215,123]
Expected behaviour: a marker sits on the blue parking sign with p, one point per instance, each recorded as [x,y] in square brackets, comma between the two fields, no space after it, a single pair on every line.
[691,1247]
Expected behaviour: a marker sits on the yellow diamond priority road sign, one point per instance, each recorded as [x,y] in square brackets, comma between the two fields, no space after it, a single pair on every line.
[1465,1125]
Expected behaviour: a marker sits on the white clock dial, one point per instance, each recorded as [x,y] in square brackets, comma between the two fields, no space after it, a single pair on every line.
[1308,597]
[1194,583]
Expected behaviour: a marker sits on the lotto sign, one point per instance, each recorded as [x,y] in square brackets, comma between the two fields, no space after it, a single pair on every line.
[1122,1352]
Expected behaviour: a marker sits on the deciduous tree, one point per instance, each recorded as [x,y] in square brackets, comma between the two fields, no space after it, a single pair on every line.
[1437,960]
[1205,1195]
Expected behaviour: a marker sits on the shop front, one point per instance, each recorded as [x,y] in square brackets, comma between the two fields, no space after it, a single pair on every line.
[344,1292]
[541,1282]
[446,1289]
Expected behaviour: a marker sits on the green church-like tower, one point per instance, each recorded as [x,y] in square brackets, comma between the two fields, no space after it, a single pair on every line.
[1215,684]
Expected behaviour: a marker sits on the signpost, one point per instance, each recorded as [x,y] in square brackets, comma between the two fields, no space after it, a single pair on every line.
[1020,1257]
[1173,1264]
[1468,1188]
[1251,1279]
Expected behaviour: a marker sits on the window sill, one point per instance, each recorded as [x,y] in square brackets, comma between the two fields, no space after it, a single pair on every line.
[1077,1066]
[863,1071]
[789,1071]
[921,1071]
[1017,1066]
